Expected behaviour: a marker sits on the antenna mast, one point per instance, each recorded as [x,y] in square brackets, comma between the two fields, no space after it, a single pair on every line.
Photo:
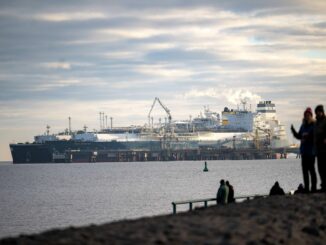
[103,124]
[101,120]
[69,118]
[244,103]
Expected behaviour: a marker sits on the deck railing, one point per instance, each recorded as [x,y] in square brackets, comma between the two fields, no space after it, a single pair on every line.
[206,200]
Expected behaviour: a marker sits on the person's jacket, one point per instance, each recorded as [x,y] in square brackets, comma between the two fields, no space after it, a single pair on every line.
[306,135]
[320,135]
[231,194]
[222,194]
[276,190]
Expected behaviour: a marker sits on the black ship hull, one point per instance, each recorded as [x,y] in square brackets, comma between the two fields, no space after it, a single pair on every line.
[74,151]
[132,151]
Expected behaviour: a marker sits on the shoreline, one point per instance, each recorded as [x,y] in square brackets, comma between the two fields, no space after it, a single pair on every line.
[297,219]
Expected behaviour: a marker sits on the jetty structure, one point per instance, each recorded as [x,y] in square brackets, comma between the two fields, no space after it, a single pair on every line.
[235,134]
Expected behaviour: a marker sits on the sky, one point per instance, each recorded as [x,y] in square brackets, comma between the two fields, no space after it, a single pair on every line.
[79,58]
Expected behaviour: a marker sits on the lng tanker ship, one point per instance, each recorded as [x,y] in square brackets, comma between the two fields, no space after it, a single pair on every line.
[171,140]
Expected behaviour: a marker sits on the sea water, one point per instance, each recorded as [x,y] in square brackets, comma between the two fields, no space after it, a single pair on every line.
[38,197]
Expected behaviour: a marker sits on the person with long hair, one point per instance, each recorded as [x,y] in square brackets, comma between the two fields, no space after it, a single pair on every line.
[306,137]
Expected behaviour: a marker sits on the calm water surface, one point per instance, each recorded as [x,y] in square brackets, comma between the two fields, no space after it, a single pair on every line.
[36,197]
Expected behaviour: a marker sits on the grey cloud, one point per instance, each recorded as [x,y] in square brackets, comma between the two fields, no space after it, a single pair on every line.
[143,5]
[180,55]
[271,31]
[32,42]
[321,25]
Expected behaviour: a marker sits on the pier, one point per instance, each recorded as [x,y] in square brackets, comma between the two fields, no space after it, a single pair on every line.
[202,153]
[89,152]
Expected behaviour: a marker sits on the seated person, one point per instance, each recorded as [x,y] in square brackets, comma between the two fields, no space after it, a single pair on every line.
[276,190]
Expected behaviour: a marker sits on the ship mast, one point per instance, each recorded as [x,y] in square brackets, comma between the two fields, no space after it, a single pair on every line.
[69,118]
[102,124]
[244,103]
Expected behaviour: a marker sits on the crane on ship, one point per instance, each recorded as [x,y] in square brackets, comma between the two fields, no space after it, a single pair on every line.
[163,106]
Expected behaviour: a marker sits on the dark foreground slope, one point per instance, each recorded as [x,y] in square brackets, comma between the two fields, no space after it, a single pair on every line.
[299,219]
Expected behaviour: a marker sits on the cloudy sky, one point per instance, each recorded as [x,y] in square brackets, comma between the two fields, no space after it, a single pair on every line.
[76,58]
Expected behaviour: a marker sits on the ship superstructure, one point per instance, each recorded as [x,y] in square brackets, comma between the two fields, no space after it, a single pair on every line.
[240,120]
[208,121]
[266,124]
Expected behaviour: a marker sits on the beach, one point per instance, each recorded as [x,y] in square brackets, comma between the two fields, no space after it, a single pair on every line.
[296,219]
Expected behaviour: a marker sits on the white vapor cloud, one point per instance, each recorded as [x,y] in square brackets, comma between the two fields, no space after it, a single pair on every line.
[232,96]
[235,96]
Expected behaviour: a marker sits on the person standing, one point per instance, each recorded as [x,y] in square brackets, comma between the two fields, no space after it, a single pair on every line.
[320,144]
[231,192]
[306,136]
[222,193]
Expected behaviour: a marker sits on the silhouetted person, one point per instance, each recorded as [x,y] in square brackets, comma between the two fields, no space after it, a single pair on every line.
[222,193]
[300,189]
[231,192]
[320,144]
[276,190]
[306,137]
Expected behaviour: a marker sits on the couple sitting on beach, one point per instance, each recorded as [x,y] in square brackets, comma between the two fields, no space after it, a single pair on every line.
[225,193]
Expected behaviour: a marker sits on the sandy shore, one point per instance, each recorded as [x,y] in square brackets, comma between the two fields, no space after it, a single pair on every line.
[299,219]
